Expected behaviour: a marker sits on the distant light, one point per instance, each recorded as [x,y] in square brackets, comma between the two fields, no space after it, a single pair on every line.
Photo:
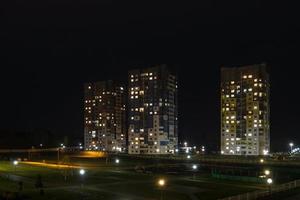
[267,172]
[16,162]
[222,152]
[176,150]
[82,172]
[195,167]
[61,144]
[195,147]
[117,161]
[188,157]
[262,161]
[41,145]
[291,144]
[185,143]
[80,144]
[161,182]
[269,181]
[266,152]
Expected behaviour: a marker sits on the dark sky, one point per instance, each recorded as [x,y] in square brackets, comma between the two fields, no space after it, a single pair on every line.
[50,48]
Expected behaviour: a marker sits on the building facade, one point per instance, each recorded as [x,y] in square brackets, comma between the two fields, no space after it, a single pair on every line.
[245,110]
[152,111]
[104,116]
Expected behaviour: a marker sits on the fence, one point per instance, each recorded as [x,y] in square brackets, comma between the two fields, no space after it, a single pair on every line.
[264,193]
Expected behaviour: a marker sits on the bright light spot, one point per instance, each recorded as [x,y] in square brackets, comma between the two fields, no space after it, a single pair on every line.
[161,182]
[188,157]
[195,167]
[82,172]
[291,144]
[117,161]
[262,161]
[267,172]
[269,181]
[16,162]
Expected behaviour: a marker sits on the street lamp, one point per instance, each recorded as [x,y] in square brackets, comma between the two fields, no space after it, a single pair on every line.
[82,172]
[195,167]
[270,181]
[188,157]
[117,161]
[267,172]
[15,164]
[161,183]
[291,145]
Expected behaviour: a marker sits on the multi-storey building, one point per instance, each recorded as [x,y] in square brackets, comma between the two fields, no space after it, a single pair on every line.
[152,109]
[104,116]
[245,110]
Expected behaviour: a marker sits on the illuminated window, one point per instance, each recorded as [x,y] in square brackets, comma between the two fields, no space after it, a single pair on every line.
[250,76]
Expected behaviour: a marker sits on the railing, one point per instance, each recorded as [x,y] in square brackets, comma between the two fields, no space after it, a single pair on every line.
[265,193]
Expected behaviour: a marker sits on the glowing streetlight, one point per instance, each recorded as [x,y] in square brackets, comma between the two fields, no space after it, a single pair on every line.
[117,161]
[269,181]
[161,182]
[188,157]
[262,161]
[195,167]
[291,145]
[267,172]
[82,172]
[15,164]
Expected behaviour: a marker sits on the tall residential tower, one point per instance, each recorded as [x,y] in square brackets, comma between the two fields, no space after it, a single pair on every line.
[245,110]
[104,116]
[152,108]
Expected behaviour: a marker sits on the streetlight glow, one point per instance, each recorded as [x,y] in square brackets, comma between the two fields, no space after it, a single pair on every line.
[161,182]
[267,172]
[262,161]
[188,157]
[82,172]
[16,162]
[117,161]
[269,181]
[195,167]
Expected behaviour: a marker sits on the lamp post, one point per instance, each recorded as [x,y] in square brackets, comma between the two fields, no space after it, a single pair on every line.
[82,173]
[270,181]
[161,184]
[291,145]
[194,167]
[15,164]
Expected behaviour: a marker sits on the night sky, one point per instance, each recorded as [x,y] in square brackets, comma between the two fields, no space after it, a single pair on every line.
[50,48]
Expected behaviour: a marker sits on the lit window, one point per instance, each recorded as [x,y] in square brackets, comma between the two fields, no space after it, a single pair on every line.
[250,76]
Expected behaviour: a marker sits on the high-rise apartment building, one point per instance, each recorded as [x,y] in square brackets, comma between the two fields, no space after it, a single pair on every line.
[245,110]
[152,109]
[104,116]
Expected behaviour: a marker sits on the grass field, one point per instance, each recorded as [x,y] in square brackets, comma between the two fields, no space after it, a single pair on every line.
[111,182]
